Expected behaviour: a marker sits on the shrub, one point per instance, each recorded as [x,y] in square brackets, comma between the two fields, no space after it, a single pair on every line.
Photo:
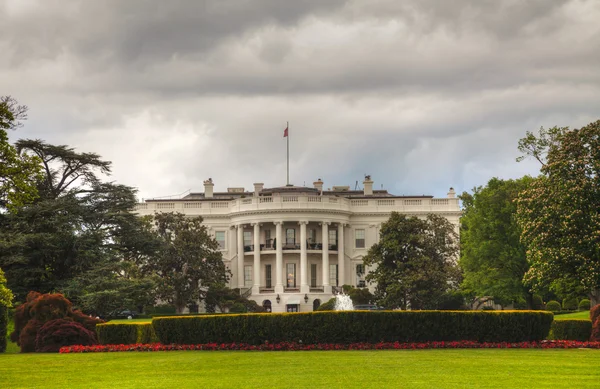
[327,306]
[126,333]
[57,333]
[238,308]
[553,306]
[163,309]
[487,308]
[356,326]
[536,302]
[595,313]
[571,330]
[569,304]
[3,327]
[595,337]
[39,309]
[584,305]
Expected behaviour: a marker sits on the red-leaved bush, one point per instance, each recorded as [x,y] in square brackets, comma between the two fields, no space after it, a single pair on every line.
[595,337]
[293,346]
[62,332]
[40,309]
[595,313]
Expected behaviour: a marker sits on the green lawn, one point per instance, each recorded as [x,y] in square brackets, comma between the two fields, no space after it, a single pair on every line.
[576,315]
[314,369]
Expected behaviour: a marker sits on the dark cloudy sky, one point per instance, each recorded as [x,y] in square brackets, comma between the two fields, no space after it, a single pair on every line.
[422,95]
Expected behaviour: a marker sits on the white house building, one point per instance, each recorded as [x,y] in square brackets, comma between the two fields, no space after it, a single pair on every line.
[291,248]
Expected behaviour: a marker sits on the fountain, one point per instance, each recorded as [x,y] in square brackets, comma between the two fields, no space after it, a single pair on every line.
[343,302]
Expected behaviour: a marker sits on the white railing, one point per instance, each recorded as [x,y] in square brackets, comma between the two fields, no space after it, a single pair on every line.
[201,207]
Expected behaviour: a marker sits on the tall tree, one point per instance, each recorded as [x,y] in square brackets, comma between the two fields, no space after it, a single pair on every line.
[492,257]
[77,223]
[18,173]
[559,213]
[414,263]
[189,262]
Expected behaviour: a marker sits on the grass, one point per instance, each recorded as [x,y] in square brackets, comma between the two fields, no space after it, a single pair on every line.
[315,369]
[575,315]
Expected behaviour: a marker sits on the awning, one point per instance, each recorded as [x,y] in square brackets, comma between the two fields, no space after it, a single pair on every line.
[293,302]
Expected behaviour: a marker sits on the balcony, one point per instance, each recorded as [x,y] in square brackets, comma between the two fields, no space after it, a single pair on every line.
[249,248]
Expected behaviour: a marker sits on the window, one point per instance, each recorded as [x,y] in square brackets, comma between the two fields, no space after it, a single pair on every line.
[248,276]
[359,239]
[333,275]
[312,235]
[333,239]
[291,275]
[268,242]
[220,238]
[268,276]
[267,305]
[313,275]
[360,275]
[290,236]
[247,238]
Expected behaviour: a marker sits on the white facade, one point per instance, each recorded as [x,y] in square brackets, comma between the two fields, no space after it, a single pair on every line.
[261,232]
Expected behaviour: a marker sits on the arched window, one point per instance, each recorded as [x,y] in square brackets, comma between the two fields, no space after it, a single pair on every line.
[316,304]
[267,305]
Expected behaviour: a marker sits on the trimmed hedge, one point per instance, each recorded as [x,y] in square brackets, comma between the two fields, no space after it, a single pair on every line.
[576,329]
[3,327]
[584,305]
[126,333]
[356,326]
[553,306]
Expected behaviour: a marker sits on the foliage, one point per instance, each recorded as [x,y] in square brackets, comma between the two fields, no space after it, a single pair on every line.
[18,173]
[452,300]
[570,330]
[189,261]
[39,309]
[356,326]
[329,305]
[553,306]
[3,327]
[492,258]
[57,333]
[413,264]
[78,232]
[569,304]
[595,313]
[360,296]
[225,299]
[558,213]
[584,305]
[161,309]
[126,333]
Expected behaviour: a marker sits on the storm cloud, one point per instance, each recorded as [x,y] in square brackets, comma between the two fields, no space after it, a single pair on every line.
[422,95]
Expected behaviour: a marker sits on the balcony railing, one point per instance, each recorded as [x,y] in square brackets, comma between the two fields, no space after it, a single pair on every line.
[289,246]
[203,207]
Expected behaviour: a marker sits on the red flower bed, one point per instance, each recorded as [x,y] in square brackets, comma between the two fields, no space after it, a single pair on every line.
[291,346]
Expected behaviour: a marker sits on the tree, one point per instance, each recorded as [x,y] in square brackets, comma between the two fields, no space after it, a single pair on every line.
[188,260]
[220,296]
[18,173]
[492,258]
[78,224]
[559,213]
[6,296]
[414,263]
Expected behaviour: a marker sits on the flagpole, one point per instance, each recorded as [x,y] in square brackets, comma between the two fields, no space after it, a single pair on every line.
[288,154]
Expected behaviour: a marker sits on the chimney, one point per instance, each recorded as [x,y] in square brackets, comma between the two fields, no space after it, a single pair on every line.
[451,193]
[368,184]
[318,185]
[258,187]
[208,189]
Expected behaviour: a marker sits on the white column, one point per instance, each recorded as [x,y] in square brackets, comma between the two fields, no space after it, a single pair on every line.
[303,259]
[325,243]
[256,281]
[341,257]
[278,257]
[240,255]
